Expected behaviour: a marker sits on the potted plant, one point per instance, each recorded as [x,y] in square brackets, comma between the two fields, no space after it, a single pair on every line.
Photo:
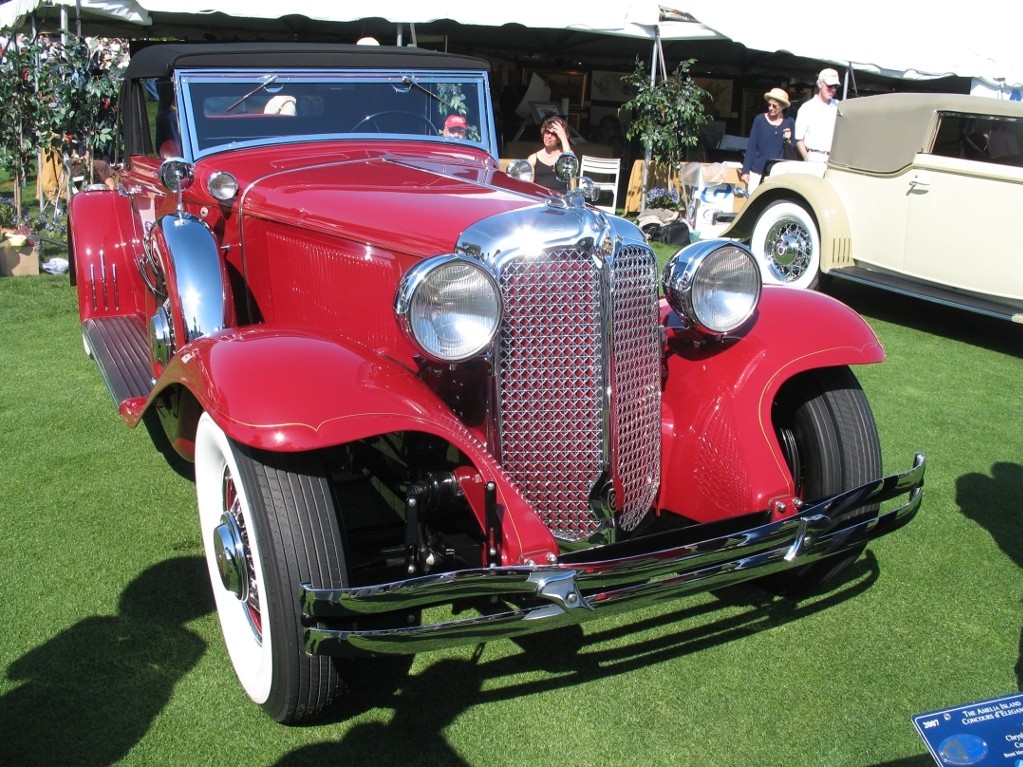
[667,116]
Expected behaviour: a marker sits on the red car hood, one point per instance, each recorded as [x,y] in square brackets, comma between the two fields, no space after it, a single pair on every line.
[412,204]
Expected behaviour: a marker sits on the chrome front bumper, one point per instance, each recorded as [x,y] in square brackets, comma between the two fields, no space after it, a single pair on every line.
[528,599]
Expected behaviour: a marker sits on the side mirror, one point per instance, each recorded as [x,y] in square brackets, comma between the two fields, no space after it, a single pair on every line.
[177,175]
[566,169]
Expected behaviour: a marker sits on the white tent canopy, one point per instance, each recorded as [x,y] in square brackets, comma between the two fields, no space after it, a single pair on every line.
[911,39]
[906,38]
[636,19]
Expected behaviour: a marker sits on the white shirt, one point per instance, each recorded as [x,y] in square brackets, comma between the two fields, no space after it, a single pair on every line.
[815,125]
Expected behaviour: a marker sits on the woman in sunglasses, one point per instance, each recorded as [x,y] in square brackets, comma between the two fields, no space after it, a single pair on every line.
[554,133]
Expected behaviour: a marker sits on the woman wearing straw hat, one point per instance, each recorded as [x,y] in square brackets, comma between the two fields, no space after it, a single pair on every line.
[771,131]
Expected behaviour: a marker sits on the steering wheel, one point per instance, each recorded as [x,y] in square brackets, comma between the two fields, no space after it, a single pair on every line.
[371,120]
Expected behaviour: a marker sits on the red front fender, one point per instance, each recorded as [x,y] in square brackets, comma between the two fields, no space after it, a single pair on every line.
[720,453]
[290,390]
[287,390]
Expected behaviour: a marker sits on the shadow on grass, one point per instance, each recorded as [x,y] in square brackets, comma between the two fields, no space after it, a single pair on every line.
[921,760]
[978,330]
[184,468]
[425,704]
[995,502]
[89,694]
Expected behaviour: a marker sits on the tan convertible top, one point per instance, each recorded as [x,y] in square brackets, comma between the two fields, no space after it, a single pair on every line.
[883,133]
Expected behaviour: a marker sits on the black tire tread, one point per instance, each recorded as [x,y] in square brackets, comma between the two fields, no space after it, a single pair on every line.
[832,402]
[300,517]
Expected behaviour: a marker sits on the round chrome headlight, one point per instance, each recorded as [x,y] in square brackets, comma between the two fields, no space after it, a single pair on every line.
[222,185]
[520,169]
[449,307]
[714,284]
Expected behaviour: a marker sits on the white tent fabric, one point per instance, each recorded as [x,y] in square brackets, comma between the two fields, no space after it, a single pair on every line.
[569,14]
[14,13]
[908,39]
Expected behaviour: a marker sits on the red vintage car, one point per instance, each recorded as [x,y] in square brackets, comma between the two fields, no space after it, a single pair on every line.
[408,380]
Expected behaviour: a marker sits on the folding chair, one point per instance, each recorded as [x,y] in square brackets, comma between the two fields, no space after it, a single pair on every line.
[604,173]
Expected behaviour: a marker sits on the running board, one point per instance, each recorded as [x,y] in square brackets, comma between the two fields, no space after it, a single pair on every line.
[121,350]
[928,292]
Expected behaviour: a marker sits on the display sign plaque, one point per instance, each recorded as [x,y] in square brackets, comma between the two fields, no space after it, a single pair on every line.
[986,733]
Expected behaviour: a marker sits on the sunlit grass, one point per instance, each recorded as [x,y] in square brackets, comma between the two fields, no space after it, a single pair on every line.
[111,653]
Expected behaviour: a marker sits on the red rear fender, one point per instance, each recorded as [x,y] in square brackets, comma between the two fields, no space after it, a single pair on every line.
[103,250]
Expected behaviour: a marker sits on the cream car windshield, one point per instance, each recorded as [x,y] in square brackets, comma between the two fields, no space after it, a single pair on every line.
[230,110]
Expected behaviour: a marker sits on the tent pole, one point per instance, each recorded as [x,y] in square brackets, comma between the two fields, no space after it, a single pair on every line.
[655,54]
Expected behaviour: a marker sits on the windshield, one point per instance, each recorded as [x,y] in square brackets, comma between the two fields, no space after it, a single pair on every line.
[227,110]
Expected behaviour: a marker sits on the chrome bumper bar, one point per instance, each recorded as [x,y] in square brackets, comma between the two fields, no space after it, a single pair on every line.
[527,599]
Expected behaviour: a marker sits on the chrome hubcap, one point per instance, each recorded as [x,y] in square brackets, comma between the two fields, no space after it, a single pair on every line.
[790,248]
[229,548]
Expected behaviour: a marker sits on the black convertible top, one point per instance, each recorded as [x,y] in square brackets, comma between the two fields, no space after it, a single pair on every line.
[161,59]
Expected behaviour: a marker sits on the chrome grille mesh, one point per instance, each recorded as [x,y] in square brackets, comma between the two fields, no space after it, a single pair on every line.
[553,372]
[636,381]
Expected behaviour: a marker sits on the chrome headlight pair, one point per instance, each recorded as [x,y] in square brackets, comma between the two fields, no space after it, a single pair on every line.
[715,285]
[449,307]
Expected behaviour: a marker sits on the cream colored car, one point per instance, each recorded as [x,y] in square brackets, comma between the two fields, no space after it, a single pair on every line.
[915,198]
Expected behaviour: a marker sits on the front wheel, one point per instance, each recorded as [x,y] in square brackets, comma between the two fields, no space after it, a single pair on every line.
[269,523]
[828,436]
[787,245]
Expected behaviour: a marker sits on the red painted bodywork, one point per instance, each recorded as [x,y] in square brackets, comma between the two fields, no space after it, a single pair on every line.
[718,446]
[319,237]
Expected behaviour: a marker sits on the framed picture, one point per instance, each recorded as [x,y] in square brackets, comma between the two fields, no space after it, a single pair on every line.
[609,86]
[568,85]
[542,109]
[720,91]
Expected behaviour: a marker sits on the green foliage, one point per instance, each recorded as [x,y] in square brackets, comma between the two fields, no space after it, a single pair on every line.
[25,118]
[84,92]
[450,98]
[668,114]
[49,90]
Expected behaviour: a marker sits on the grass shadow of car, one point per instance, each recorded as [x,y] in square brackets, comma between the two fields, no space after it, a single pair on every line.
[955,324]
[572,656]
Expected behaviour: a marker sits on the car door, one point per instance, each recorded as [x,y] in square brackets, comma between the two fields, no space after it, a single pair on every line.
[963,209]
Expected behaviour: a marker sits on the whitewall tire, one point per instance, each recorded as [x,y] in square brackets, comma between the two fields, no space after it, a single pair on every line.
[787,244]
[268,524]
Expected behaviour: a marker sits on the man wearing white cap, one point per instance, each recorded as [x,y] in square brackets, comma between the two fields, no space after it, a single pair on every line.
[815,122]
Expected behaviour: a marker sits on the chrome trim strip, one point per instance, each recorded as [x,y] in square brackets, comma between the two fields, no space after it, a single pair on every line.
[571,592]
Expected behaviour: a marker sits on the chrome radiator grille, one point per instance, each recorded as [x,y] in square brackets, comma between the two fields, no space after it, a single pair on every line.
[578,378]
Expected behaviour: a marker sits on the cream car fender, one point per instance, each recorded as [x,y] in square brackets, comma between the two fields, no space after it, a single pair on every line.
[818,197]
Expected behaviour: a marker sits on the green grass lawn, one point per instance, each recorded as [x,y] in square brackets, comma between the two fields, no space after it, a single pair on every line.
[111,653]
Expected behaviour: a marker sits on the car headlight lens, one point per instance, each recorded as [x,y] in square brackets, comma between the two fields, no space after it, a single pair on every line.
[449,307]
[714,284]
[521,170]
[222,185]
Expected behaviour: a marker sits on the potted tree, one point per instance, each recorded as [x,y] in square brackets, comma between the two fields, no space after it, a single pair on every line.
[667,117]
[25,118]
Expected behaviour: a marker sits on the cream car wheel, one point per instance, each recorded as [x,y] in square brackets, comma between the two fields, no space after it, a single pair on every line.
[787,245]
[268,524]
